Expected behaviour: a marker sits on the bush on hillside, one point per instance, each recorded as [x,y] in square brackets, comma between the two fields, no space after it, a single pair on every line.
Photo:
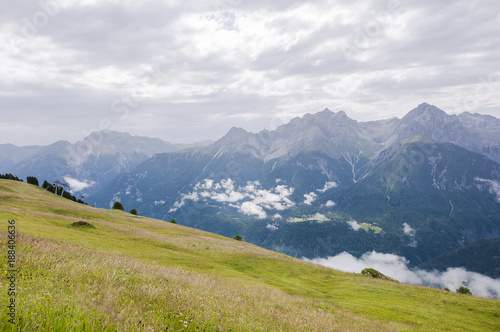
[464,290]
[82,224]
[372,273]
[118,206]
[133,211]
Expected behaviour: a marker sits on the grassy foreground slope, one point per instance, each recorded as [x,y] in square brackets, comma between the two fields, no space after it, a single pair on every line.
[131,273]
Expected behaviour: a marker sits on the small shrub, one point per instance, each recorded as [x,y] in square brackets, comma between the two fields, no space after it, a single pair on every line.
[447,289]
[238,237]
[118,206]
[369,272]
[82,224]
[133,211]
[372,273]
[464,290]
[173,221]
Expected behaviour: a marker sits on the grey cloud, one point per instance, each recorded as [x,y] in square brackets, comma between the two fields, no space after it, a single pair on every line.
[210,77]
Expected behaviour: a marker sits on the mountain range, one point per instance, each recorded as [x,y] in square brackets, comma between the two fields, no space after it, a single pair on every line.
[87,165]
[426,187]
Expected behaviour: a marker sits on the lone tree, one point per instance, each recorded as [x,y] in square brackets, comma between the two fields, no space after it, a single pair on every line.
[238,237]
[133,211]
[173,221]
[118,206]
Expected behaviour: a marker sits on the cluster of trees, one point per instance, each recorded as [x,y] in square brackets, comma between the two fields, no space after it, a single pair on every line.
[119,206]
[58,191]
[9,176]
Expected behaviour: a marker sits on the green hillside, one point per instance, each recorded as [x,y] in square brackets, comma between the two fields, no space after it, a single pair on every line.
[130,273]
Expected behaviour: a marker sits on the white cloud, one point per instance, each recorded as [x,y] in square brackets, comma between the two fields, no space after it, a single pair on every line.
[396,267]
[232,197]
[408,230]
[277,216]
[411,233]
[272,227]
[493,186]
[250,199]
[354,225]
[310,198]
[330,204]
[320,217]
[159,202]
[328,186]
[76,186]
[207,184]
[252,209]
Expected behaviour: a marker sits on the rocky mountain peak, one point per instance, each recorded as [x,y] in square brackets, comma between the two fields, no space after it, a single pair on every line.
[425,111]
[235,134]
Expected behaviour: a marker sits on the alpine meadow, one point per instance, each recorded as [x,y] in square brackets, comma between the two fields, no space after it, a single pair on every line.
[87,269]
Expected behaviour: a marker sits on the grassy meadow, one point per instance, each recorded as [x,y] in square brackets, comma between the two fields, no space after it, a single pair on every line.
[130,273]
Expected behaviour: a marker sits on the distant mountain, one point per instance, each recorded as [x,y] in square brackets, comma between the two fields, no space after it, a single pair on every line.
[90,163]
[11,154]
[193,145]
[420,186]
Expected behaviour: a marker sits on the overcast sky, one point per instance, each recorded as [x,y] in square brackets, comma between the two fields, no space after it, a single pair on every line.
[187,71]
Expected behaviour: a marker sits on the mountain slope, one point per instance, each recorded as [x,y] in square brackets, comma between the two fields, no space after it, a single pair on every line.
[438,190]
[471,257]
[131,273]
[418,187]
[94,161]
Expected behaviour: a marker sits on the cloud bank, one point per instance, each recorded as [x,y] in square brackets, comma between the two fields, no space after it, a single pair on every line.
[250,199]
[252,64]
[396,267]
